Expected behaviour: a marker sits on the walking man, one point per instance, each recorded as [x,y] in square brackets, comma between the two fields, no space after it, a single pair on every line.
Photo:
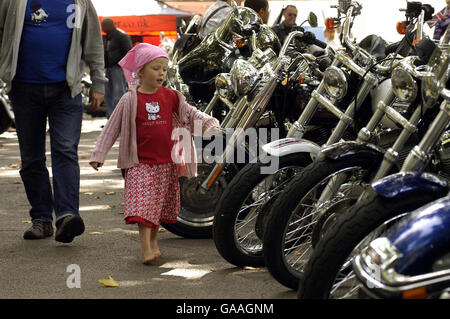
[117,44]
[44,46]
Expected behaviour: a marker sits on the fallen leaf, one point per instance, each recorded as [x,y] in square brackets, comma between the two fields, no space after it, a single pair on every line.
[250,268]
[97,197]
[13,165]
[85,157]
[26,221]
[89,193]
[110,282]
[16,182]
[110,193]
[162,229]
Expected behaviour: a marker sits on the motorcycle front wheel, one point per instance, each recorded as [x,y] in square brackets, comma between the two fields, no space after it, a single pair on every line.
[328,272]
[239,216]
[299,215]
[196,216]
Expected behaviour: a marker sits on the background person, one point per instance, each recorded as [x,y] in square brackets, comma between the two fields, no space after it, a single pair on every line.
[442,22]
[261,7]
[214,17]
[117,44]
[284,28]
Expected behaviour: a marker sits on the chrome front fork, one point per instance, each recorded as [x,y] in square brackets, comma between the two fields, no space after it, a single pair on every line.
[419,156]
[364,135]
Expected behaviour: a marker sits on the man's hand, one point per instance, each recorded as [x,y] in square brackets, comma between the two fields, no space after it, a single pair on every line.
[96,100]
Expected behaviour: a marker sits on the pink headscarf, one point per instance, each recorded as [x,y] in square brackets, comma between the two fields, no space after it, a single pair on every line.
[137,58]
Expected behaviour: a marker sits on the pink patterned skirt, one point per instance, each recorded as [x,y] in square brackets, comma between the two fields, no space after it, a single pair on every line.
[152,194]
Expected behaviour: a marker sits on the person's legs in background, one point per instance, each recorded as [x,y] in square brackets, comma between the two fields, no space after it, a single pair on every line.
[115,88]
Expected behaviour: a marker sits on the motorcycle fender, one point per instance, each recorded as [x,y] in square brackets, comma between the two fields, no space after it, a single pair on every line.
[288,146]
[422,237]
[409,183]
[348,149]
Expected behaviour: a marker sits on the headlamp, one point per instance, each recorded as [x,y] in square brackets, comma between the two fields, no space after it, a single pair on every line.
[335,82]
[404,85]
[244,76]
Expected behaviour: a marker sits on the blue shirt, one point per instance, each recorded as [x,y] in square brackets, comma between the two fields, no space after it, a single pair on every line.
[45,42]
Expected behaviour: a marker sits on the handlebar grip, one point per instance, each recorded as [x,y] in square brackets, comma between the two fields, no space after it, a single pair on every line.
[391,48]
[319,43]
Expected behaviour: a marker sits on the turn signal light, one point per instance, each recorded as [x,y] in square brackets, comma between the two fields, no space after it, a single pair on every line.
[329,23]
[239,43]
[419,293]
[401,27]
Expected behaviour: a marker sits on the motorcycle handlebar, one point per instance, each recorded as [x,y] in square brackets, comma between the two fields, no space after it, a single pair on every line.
[319,43]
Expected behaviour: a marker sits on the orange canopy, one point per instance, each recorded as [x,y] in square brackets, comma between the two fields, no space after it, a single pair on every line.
[146,19]
[149,26]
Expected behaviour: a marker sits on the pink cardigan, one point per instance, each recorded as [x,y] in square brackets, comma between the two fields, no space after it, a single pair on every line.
[123,122]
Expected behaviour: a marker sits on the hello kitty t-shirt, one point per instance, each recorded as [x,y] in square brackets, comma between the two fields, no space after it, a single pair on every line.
[154,125]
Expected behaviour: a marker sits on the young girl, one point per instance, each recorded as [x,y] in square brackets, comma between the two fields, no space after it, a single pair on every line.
[146,116]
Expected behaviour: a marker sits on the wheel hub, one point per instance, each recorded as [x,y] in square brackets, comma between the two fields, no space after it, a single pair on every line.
[194,200]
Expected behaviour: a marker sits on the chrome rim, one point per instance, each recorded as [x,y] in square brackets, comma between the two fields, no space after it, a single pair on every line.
[258,201]
[297,237]
[346,285]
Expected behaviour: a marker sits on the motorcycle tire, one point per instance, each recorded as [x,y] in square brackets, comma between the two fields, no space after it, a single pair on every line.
[228,209]
[282,210]
[336,246]
[189,232]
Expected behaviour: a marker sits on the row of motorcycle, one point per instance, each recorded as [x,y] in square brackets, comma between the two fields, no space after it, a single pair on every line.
[358,204]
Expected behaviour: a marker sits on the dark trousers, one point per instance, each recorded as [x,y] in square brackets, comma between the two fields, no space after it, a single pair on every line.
[115,88]
[32,104]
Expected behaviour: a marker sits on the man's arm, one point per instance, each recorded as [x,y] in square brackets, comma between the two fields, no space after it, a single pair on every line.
[4,4]
[93,54]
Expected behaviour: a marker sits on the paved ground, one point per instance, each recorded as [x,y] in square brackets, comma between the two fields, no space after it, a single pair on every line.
[39,269]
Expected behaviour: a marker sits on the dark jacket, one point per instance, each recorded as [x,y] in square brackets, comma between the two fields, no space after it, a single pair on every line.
[117,44]
[282,31]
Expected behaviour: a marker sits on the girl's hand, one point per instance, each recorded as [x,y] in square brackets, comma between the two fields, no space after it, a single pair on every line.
[96,165]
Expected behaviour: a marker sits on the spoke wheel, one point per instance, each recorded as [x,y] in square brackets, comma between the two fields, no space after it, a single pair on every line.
[239,222]
[300,213]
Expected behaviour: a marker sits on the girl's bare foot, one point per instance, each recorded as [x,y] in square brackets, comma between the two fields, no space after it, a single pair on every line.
[150,256]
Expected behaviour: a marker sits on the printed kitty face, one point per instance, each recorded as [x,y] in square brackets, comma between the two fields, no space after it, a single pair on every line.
[152,108]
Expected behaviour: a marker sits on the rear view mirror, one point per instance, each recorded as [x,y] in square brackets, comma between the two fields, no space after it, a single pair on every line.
[312,19]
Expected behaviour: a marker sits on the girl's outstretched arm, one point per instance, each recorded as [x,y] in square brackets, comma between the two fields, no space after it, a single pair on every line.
[209,125]
[110,132]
